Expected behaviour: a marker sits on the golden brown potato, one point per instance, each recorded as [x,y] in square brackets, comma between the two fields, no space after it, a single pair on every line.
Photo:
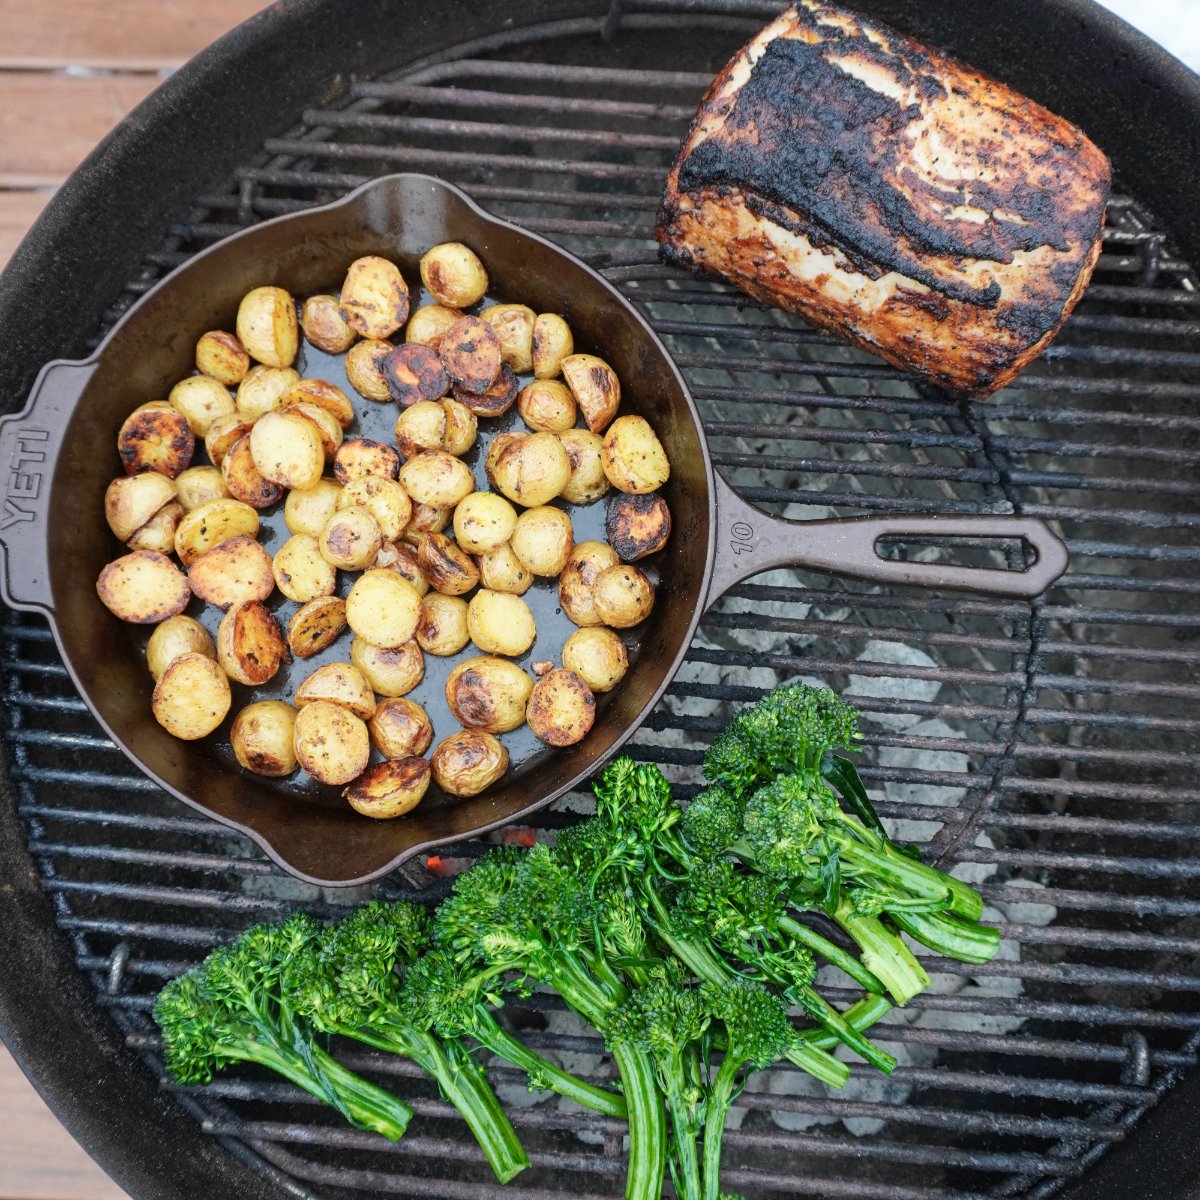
[287,450]
[263,390]
[331,743]
[547,406]
[488,693]
[301,573]
[442,629]
[156,437]
[420,428]
[496,447]
[144,588]
[484,521]
[174,638]
[500,570]
[437,479]
[622,596]
[222,357]
[262,738]
[466,763]
[561,708]
[202,401]
[199,485]
[596,389]
[513,324]
[315,626]
[552,342]
[360,456]
[243,478]
[267,327]
[449,568]
[461,427]
[578,579]
[390,670]
[324,326]
[588,481]
[350,539]
[453,275]
[634,459]
[223,432]
[191,697]
[597,656]
[383,607]
[364,368]
[493,401]
[500,623]
[389,789]
[328,428]
[414,372]
[237,570]
[543,540]
[470,352]
[307,510]
[400,728]
[533,471]
[250,646]
[637,525]
[402,558]
[210,525]
[374,299]
[339,683]
[427,324]
[383,498]
[425,520]
[158,533]
[324,395]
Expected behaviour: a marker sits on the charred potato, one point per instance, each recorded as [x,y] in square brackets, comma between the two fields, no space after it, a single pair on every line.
[400,728]
[500,623]
[598,656]
[156,437]
[425,520]
[402,558]
[449,569]
[383,498]
[437,479]
[494,400]
[488,693]
[427,324]
[513,324]
[578,579]
[263,390]
[470,352]
[360,456]
[328,428]
[547,406]
[339,683]
[237,570]
[533,471]
[374,299]
[390,670]
[158,533]
[222,357]
[262,738]
[389,789]
[243,478]
[210,525]
[174,638]
[483,522]
[500,570]
[420,428]
[316,626]
[364,368]
[414,372]
[453,275]
[324,395]
[223,433]
[250,646]
[596,389]
[191,698]
[199,485]
[442,628]
[543,540]
[461,427]
[622,596]
[552,342]
[267,327]
[588,481]
[287,449]
[383,607]
[637,525]
[350,539]
[144,588]
[301,573]
[201,400]
[466,763]
[496,447]
[307,510]
[324,326]
[331,743]
[561,708]
[634,459]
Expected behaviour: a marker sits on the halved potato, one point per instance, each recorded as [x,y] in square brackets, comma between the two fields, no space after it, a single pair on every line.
[449,568]
[400,728]
[243,478]
[484,521]
[470,352]
[453,274]
[637,525]
[496,447]
[158,533]
[622,596]
[488,693]
[201,400]
[442,629]
[287,449]
[262,738]
[390,670]
[402,558]
[350,539]
[420,427]
[307,510]
[324,326]
[174,638]
[301,572]
[210,525]
[131,500]
[383,607]
[191,697]
[389,789]
[500,623]
[437,479]
[324,395]
[199,485]
[493,401]
[547,406]
[501,570]
[144,588]
[237,570]
[222,357]
[326,424]
[561,708]
[532,471]
[374,299]
[315,626]
[339,683]
[552,342]
[414,372]
[263,390]
[634,459]
[588,481]
[223,433]
[331,743]
[427,324]
[266,326]
[596,389]
[461,427]
[425,520]
[156,437]
[383,498]
[543,540]
[250,646]
[360,456]
[598,656]
[513,324]
[466,763]
[364,368]
[578,579]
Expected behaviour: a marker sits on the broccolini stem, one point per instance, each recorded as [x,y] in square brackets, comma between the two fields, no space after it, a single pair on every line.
[685,1167]
[892,867]
[883,953]
[647,1125]
[572,982]
[720,1096]
[826,1015]
[831,952]
[964,940]
[861,1015]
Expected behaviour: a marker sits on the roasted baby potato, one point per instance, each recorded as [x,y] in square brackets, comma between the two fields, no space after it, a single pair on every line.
[350,539]
[494,400]
[210,525]
[315,626]
[402,558]
[199,485]
[174,638]
[496,447]
[287,449]
[427,324]
[250,646]
[453,275]
[263,390]
[442,628]
[262,738]
[383,607]
[191,697]
[634,459]
[328,428]
[547,406]
[156,437]
[543,539]
[637,525]
[339,683]
[158,533]
[364,368]
[383,498]
[324,395]
[466,763]
[437,479]
[390,670]
[237,570]
[488,693]
[500,570]
[301,573]
[400,728]
[414,372]
[360,456]
[449,568]
[374,299]
[588,481]
[597,656]
[144,588]
[420,428]
[470,352]
[596,389]
[389,789]
[513,324]
[552,342]
[331,743]
[578,578]
[324,326]
[307,510]
[223,432]
[533,471]
[622,596]
[500,623]
[561,708]
[222,357]
[483,521]
[201,400]
[243,478]
[425,520]
[461,427]
[267,327]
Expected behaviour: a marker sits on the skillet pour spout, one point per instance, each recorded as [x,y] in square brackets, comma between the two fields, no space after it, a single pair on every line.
[50,565]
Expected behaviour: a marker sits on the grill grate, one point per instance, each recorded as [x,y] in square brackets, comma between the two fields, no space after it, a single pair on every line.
[1043,750]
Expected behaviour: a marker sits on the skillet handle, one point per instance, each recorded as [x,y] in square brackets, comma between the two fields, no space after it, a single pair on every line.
[750,541]
[29,445]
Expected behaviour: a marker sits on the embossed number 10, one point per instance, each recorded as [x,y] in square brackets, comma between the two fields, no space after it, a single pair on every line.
[743,538]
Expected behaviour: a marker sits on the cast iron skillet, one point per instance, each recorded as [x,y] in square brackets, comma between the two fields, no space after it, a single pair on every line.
[62,450]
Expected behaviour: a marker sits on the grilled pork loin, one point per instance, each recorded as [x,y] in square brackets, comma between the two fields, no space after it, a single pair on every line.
[889,194]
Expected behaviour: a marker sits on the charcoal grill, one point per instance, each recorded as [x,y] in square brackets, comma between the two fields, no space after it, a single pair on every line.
[1046,751]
